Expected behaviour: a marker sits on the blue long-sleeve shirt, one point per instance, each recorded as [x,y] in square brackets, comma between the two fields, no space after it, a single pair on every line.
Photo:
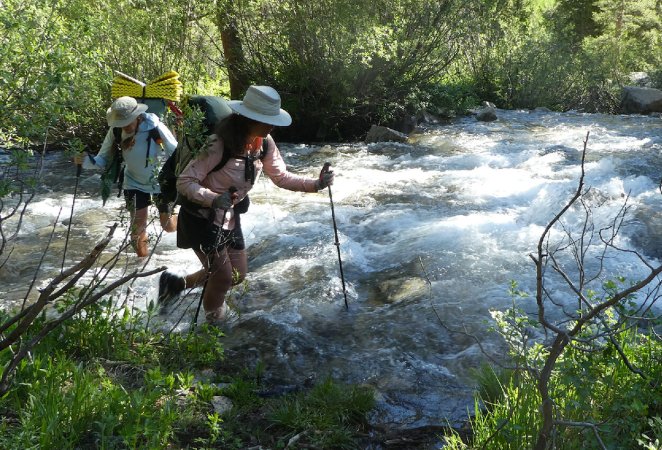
[137,174]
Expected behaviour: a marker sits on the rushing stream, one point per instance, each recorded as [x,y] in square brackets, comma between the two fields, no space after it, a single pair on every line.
[431,234]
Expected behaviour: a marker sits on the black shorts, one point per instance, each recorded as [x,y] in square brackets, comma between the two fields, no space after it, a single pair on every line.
[136,200]
[197,233]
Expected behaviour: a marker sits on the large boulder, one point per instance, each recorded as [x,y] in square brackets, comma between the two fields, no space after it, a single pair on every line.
[640,100]
[405,124]
[487,114]
[384,134]
[428,118]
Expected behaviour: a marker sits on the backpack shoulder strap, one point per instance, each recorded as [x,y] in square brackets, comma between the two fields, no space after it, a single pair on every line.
[224,158]
[117,149]
[265,148]
[154,135]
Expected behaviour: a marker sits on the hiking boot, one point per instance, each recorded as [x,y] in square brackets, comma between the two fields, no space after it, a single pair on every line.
[170,285]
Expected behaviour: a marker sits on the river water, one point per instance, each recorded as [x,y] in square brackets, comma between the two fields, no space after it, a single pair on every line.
[431,233]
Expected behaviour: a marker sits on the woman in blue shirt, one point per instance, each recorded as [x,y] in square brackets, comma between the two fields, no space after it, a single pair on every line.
[142,150]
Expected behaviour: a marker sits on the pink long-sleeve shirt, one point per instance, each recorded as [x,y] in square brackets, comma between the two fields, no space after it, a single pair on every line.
[198,183]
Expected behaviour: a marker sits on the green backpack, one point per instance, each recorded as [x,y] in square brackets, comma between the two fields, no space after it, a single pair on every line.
[202,113]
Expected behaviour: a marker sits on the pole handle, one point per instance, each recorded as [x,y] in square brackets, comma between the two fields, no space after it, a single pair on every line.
[212,215]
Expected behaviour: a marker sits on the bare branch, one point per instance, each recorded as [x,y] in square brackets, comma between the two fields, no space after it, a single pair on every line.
[592,426]
[545,234]
[27,316]
[591,309]
[41,261]
[49,326]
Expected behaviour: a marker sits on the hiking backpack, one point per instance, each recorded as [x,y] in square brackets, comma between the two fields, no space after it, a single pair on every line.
[194,137]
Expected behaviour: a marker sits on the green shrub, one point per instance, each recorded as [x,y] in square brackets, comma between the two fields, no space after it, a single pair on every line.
[587,387]
[62,404]
[103,380]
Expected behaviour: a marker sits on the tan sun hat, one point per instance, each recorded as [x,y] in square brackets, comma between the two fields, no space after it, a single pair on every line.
[123,111]
[262,103]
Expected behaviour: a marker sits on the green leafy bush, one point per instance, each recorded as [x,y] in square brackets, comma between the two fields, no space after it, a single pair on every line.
[589,386]
[102,380]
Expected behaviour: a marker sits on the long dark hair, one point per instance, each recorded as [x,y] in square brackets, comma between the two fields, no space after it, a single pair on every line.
[233,130]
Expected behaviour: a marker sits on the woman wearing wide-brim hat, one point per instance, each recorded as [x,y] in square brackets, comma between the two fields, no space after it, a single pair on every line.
[145,141]
[220,247]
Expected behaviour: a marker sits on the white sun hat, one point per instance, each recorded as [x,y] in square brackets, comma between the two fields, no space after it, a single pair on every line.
[123,111]
[262,103]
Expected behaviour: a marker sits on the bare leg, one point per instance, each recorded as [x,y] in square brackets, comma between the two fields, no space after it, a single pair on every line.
[139,231]
[228,268]
[239,260]
[196,279]
[168,222]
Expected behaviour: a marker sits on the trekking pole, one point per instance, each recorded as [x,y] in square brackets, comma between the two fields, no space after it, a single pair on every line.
[79,169]
[202,295]
[210,222]
[335,232]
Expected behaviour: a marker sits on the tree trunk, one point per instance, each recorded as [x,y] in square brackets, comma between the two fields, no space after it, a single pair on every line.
[547,405]
[234,56]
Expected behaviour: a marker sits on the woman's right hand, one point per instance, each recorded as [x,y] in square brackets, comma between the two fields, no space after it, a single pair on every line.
[225,200]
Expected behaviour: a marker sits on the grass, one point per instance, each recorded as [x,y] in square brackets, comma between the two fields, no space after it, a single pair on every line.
[328,416]
[105,381]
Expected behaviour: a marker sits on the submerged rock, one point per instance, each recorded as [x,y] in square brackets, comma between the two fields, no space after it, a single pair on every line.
[647,232]
[402,289]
